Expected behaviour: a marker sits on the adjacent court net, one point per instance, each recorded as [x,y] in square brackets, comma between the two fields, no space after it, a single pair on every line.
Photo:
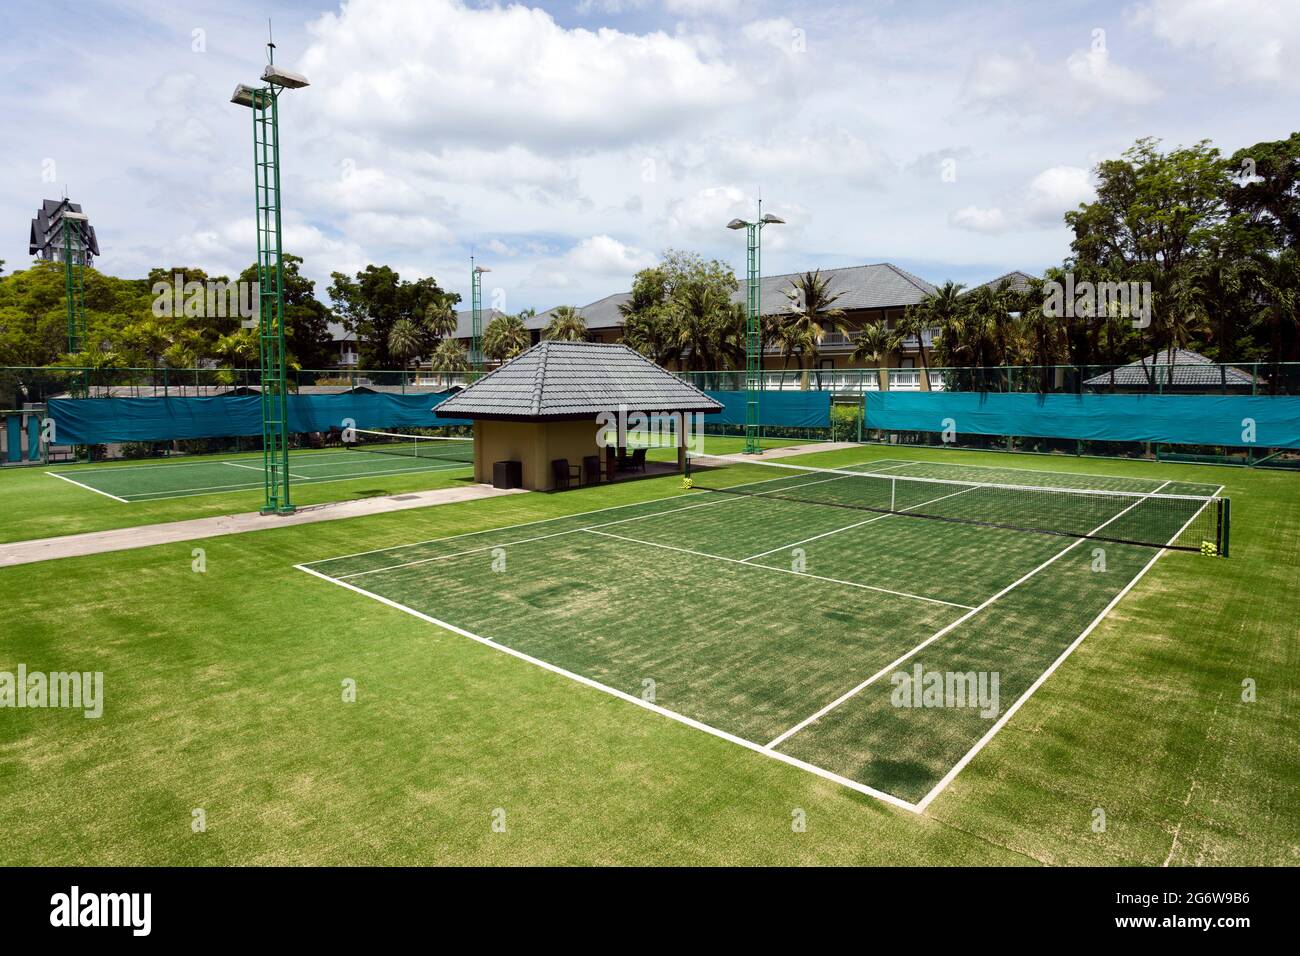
[1183,522]
[434,447]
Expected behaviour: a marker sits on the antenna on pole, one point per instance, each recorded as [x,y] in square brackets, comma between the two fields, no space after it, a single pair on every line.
[270,42]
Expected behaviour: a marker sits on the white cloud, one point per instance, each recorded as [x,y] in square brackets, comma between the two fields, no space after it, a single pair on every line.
[1086,81]
[975,219]
[1256,41]
[495,76]
[1039,205]
[1055,191]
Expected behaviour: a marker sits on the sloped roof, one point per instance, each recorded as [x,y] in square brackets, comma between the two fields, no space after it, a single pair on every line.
[49,222]
[556,380]
[1019,282]
[882,285]
[1183,368]
[879,286]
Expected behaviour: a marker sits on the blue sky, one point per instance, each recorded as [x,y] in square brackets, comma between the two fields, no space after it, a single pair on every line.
[567,144]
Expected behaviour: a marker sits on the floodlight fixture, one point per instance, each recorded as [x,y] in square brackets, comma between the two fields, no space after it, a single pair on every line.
[245,95]
[75,216]
[769,218]
[737,224]
[481,269]
[279,76]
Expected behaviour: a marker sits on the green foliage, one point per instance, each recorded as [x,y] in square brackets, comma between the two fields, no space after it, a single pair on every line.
[372,302]
[505,337]
[566,325]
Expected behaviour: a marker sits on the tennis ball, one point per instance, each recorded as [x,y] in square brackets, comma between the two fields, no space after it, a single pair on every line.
[1208,547]
[688,482]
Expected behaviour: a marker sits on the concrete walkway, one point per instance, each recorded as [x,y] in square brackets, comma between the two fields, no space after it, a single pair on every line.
[144,536]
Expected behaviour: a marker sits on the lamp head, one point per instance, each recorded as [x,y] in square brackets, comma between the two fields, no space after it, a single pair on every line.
[282,77]
[769,219]
[737,224]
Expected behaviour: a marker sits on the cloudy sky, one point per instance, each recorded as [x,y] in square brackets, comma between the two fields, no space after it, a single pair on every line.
[568,143]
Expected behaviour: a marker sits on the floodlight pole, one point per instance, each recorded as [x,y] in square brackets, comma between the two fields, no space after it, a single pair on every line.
[476,319]
[753,326]
[264,102]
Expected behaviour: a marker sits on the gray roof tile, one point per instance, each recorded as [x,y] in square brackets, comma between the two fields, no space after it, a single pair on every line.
[556,379]
[1185,367]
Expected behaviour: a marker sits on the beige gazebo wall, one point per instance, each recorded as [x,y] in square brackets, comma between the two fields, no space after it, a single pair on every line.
[534,444]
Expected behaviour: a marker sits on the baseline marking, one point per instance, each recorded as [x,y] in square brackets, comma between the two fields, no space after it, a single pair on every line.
[55,474]
[623,695]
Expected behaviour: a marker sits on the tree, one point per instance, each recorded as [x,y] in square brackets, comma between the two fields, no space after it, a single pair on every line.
[505,337]
[566,325]
[1154,213]
[940,311]
[1269,198]
[706,330]
[1278,313]
[811,313]
[681,310]
[448,358]
[874,344]
[404,341]
[306,319]
[371,303]
[440,320]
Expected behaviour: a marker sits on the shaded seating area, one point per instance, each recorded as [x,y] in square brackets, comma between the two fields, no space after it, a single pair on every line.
[564,415]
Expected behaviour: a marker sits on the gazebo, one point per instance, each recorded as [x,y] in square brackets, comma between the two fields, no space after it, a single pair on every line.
[549,405]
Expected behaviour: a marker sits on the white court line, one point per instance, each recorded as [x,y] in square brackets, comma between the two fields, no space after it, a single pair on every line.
[854,691]
[1001,722]
[631,699]
[1043,471]
[126,466]
[247,486]
[55,474]
[555,534]
[262,469]
[768,567]
[859,524]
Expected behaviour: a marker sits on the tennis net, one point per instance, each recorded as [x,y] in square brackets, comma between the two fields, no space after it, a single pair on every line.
[439,447]
[1154,518]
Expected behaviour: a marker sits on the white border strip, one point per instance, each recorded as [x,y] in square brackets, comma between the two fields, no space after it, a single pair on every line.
[623,695]
[55,474]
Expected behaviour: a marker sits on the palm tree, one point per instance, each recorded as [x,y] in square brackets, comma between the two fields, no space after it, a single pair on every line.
[439,320]
[874,344]
[942,309]
[566,325]
[448,358]
[1278,313]
[1043,332]
[705,326]
[505,337]
[404,343]
[804,325]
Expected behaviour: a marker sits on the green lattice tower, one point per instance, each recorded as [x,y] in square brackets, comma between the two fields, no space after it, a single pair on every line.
[475,321]
[270,284]
[74,291]
[753,341]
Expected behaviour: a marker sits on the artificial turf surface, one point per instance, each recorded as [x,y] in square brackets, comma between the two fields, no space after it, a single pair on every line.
[223,692]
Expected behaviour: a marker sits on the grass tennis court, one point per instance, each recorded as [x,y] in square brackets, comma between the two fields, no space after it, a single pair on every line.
[779,620]
[183,479]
